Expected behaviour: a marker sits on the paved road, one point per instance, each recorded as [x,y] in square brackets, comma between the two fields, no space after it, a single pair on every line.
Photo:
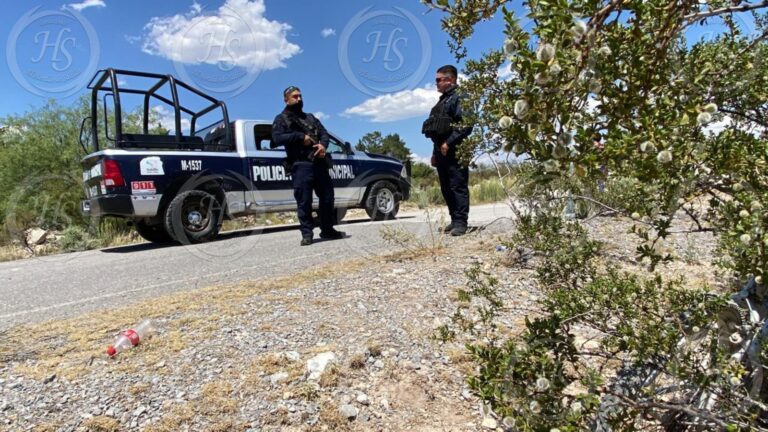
[38,289]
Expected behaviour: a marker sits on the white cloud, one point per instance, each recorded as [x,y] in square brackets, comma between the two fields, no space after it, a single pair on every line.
[423,159]
[326,32]
[397,106]
[237,34]
[85,4]
[321,115]
[166,119]
[505,72]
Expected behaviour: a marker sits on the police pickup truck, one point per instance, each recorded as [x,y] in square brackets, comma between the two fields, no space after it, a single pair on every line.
[180,185]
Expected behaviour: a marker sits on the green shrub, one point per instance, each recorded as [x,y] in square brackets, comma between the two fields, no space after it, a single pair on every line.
[75,238]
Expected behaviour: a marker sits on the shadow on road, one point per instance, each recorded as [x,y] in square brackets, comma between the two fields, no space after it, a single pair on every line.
[228,235]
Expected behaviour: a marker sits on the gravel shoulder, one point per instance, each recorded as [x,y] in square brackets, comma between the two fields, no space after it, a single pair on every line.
[334,348]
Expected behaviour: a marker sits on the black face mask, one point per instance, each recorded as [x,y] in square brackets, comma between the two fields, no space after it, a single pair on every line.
[296,108]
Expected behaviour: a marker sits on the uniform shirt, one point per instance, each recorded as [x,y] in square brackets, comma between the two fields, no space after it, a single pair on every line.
[290,134]
[452,109]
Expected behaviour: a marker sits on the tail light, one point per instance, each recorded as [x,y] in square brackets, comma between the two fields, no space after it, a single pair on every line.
[111,175]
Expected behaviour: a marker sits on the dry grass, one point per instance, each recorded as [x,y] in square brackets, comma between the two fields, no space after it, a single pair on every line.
[101,424]
[331,377]
[174,421]
[330,418]
[46,427]
[217,399]
[357,361]
[11,253]
[69,347]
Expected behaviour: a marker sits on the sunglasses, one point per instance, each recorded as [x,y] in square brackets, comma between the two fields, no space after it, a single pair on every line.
[438,79]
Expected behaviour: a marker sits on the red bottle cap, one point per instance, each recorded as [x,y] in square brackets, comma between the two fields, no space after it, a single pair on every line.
[111,351]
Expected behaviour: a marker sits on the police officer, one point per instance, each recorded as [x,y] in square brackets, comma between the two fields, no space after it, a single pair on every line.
[441,128]
[305,141]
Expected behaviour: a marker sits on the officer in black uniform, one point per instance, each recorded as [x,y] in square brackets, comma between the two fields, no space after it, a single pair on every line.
[305,141]
[441,128]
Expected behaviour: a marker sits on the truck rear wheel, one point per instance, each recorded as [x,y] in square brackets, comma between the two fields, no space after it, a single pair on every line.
[154,233]
[383,201]
[193,216]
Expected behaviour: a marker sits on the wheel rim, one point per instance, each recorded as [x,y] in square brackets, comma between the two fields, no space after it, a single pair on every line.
[385,201]
[196,216]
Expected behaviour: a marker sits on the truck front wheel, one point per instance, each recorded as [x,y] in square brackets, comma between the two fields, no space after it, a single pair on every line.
[383,201]
[193,217]
[154,233]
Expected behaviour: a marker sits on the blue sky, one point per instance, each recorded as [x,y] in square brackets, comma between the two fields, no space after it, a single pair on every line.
[365,65]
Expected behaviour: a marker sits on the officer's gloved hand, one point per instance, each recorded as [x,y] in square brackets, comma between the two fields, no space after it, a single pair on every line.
[319,150]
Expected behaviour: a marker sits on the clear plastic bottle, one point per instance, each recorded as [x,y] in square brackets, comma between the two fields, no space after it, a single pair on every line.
[131,337]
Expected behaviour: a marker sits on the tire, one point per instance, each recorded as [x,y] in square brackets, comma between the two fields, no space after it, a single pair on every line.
[155,233]
[382,201]
[193,217]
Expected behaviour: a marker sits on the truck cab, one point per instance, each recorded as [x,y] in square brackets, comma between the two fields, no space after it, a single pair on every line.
[180,182]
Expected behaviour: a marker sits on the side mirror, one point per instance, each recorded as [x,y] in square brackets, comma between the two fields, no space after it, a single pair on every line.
[86,136]
[347,147]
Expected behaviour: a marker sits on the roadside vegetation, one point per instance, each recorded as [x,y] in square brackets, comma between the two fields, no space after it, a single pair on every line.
[668,99]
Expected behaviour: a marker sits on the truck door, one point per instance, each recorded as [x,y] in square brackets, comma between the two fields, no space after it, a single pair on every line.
[272,187]
[344,173]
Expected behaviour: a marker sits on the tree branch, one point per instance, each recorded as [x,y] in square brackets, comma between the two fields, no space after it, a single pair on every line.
[762,123]
[672,407]
[691,18]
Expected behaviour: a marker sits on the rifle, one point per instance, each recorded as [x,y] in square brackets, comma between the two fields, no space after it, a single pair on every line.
[314,134]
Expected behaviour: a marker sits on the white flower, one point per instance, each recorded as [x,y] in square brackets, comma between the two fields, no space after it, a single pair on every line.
[746,238]
[555,69]
[554,430]
[743,214]
[738,187]
[545,53]
[505,122]
[521,108]
[756,206]
[510,46]
[595,86]
[695,329]
[542,384]
[647,147]
[535,407]
[518,148]
[759,280]
[704,118]
[604,50]
[564,138]
[734,381]
[579,28]
[710,108]
[635,215]
[560,152]
[576,407]
[664,156]
[735,338]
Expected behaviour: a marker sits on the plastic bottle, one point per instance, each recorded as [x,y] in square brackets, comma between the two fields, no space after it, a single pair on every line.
[131,337]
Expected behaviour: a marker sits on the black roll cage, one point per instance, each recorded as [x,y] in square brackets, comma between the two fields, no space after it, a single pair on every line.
[181,141]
